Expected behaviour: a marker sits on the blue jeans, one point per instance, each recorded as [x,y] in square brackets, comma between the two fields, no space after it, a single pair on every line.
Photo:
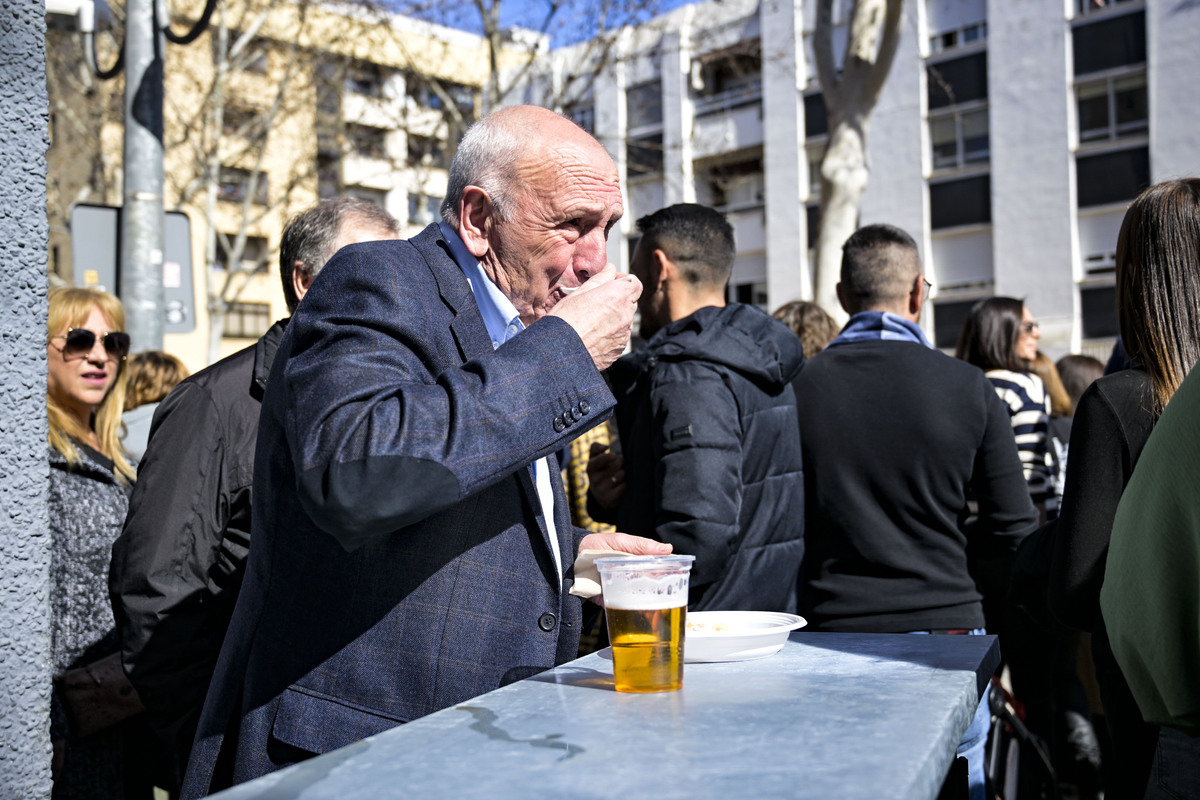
[974,741]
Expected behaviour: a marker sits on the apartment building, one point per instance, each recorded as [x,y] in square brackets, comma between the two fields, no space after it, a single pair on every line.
[1008,140]
[318,100]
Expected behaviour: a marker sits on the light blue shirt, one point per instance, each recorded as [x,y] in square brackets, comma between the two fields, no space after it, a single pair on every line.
[502,321]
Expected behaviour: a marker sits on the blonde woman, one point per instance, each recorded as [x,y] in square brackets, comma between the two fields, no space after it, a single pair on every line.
[90,480]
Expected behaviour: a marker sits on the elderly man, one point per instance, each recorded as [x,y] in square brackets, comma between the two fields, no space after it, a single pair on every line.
[896,438]
[178,564]
[707,416]
[413,548]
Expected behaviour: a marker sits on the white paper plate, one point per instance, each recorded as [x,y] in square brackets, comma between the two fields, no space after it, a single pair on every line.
[736,635]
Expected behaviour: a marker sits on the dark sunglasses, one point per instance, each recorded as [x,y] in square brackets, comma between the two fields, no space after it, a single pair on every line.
[80,341]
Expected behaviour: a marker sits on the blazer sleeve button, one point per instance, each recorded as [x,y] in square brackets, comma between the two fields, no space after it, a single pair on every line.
[547,621]
[584,406]
[559,425]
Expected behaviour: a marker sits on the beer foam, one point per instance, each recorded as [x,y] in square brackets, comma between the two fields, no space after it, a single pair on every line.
[643,593]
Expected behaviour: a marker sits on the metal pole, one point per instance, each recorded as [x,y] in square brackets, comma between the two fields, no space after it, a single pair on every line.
[142,217]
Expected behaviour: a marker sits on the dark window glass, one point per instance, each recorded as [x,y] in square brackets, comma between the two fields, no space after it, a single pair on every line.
[816,123]
[233,185]
[329,174]
[1112,177]
[246,320]
[957,81]
[948,319]
[813,214]
[1098,311]
[643,105]
[644,156]
[1112,42]
[965,202]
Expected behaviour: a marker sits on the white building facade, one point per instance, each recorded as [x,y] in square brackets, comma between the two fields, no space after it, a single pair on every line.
[1008,140]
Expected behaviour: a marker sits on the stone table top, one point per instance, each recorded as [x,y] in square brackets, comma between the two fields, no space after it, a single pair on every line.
[832,715]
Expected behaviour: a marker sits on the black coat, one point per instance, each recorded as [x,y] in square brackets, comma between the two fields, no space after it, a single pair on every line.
[712,454]
[179,561]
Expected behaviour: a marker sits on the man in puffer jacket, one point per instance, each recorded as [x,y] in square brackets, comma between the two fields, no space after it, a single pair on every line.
[711,447]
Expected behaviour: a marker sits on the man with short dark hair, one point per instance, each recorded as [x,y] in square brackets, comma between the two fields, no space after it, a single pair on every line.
[896,437]
[178,564]
[711,451]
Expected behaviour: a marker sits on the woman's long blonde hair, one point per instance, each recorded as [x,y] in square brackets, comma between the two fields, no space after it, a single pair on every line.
[70,307]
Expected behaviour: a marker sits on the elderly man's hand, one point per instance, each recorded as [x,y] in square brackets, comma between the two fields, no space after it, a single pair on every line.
[601,312]
[625,543]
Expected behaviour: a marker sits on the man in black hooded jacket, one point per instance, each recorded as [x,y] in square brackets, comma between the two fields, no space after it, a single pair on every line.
[711,448]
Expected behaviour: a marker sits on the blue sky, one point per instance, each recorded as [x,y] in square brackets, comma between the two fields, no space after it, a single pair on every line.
[574,21]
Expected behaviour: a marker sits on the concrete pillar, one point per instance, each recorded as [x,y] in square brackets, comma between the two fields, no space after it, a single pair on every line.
[679,181]
[784,158]
[1033,208]
[1173,64]
[24,535]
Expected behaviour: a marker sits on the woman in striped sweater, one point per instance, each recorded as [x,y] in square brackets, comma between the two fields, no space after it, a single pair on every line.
[1000,337]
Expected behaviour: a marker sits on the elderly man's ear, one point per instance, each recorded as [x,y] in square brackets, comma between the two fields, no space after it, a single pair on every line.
[476,220]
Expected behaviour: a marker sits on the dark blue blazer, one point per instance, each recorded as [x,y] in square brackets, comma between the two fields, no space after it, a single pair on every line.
[399,560]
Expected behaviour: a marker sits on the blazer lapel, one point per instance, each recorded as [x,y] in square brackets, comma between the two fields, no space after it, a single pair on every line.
[471,336]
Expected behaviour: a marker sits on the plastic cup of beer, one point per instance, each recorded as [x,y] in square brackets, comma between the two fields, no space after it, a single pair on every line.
[645,602]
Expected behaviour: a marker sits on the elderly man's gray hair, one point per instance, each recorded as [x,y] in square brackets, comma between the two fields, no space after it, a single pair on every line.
[487,157]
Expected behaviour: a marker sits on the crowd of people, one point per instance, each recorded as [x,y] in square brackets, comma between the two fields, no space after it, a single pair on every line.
[361,518]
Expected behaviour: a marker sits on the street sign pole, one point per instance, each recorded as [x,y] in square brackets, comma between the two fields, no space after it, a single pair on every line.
[142,218]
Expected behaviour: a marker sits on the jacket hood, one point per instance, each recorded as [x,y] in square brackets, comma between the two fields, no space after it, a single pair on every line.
[743,338]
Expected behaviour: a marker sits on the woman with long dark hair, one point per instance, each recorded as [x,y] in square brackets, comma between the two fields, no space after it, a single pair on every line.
[90,480]
[1158,310]
[1000,337]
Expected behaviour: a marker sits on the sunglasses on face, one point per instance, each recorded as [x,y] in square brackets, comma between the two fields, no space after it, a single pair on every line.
[78,342]
[1029,327]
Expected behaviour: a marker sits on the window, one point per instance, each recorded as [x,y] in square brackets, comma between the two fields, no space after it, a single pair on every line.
[962,202]
[816,122]
[1112,107]
[426,150]
[367,141]
[234,185]
[960,137]
[814,152]
[252,57]
[583,115]
[365,78]
[1110,43]
[1084,7]
[948,40]
[644,156]
[948,319]
[734,186]
[253,257]
[423,209]
[751,294]
[423,94]
[958,80]
[643,106]
[241,120]
[376,196]
[1113,177]
[727,80]
[812,213]
[247,320]
[1098,311]
[329,174]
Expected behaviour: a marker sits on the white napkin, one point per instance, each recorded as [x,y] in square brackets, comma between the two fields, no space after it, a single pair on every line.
[587,576]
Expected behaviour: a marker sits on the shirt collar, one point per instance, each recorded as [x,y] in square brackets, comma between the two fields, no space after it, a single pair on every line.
[500,316]
[880,325]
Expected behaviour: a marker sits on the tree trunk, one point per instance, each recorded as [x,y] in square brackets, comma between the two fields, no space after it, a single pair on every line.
[844,177]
